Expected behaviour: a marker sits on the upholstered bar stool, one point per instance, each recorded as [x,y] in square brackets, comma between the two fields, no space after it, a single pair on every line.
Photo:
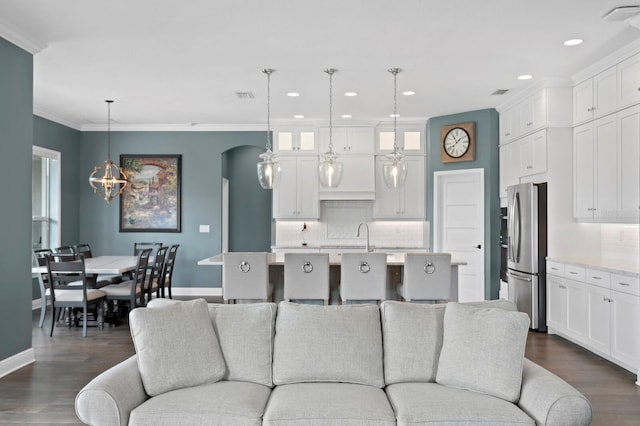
[306,276]
[245,277]
[363,276]
[426,276]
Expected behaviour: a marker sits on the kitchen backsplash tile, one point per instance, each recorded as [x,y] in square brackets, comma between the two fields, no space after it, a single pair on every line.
[620,242]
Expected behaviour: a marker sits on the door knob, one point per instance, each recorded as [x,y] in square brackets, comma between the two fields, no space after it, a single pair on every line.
[479,246]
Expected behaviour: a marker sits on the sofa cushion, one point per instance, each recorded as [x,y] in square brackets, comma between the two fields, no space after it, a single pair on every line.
[176,346]
[245,333]
[431,403]
[320,404]
[328,344]
[412,338]
[221,403]
[483,350]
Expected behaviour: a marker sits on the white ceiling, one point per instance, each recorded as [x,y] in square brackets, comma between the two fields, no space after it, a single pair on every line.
[181,62]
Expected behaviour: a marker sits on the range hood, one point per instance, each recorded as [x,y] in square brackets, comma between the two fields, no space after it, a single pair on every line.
[358,180]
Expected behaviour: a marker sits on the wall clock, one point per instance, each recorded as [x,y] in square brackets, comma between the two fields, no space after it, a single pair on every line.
[458,142]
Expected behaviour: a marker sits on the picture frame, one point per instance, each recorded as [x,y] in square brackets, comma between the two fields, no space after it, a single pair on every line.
[152,200]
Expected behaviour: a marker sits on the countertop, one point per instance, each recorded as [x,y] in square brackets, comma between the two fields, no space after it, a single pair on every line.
[623,268]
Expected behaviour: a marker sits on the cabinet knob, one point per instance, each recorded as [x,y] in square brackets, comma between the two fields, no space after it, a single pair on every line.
[529,167]
[529,123]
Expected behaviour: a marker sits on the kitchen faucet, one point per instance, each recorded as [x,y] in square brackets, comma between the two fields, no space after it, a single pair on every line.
[367,248]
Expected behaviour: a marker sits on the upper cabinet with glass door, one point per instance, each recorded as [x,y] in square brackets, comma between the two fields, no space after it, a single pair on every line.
[410,140]
[295,141]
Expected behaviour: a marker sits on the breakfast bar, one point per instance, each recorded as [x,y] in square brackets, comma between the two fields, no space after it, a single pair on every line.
[395,262]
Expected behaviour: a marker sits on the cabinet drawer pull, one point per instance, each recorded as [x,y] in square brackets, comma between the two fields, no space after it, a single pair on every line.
[573,273]
[529,167]
[596,278]
[624,284]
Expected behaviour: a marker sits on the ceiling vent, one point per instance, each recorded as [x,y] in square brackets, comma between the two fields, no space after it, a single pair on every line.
[500,92]
[244,95]
[621,13]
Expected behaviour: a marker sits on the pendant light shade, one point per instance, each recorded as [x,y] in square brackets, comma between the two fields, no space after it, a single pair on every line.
[330,169]
[268,169]
[394,170]
[108,179]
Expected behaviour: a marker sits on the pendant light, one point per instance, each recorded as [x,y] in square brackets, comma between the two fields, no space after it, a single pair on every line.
[394,170]
[269,171]
[330,169]
[108,179]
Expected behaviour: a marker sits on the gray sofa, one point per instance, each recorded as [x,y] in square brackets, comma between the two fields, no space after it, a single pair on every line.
[290,364]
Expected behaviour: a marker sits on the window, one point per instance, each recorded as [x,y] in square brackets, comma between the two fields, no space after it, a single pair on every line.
[45,198]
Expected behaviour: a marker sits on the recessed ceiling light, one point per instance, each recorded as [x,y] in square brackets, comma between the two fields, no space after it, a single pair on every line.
[293,94]
[298,116]
[346,115]
[409,93]
[350,94]
[573,42]
[394,115]
[525,77]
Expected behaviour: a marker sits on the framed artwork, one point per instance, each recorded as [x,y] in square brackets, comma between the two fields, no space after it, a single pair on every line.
[151,201]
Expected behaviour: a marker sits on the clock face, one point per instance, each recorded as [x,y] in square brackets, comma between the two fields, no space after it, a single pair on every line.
[456,142]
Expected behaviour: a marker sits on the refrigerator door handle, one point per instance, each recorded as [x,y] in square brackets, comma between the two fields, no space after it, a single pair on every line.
[517,227]
[520,276]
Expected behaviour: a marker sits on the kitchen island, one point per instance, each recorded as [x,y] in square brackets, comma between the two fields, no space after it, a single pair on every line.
[395,262]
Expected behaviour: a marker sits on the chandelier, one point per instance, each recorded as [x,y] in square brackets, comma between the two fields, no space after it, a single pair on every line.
[330,169]
[394,170]
[108,179]
[269,171]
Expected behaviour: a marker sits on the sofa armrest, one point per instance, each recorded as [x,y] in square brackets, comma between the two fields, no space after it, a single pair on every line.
[109,398]
[550,400]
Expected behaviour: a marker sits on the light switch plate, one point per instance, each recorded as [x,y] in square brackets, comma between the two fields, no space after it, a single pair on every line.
[204,228]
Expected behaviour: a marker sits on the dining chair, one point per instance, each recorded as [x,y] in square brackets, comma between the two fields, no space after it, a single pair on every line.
[155,279]
[426,277]
[131,291]
[245,276]
[306,276]
[363,276]
[169,266]
[40,259]
[85,250]
[137,247]
[65,250]
[64,269]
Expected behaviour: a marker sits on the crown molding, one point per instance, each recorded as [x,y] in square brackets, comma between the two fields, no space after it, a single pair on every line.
[115,127]
[530,90]
[607,62]
[17,37]
[48,115]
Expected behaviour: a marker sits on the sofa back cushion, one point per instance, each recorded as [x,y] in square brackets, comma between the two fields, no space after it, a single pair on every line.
[328,344]
[412,336]
[245,333]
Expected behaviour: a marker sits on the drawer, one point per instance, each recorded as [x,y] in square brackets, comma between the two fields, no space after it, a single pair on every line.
[599,278]
[555,268]
[574,272]
[625,284]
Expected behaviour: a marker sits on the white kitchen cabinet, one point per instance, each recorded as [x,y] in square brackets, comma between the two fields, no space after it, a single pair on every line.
[406,202]
[595,157]
[348,140]
[566,307]
[358,179]
[509,166]
[297,195]
[410,140]
[625,328]
[533,153]
[628,123]
[533,112]
[599,318]
[595,97]
[294,141]
[509,124]
[628,76]
[556,303]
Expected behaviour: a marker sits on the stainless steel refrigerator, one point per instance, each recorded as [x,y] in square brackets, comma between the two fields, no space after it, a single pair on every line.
[527,250]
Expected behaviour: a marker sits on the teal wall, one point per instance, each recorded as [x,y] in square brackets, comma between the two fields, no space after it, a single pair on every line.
[202,154]
[487,158]
[16,137]
[249,225]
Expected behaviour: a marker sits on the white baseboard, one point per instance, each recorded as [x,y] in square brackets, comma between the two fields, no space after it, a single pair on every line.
[17,361]
[196,291]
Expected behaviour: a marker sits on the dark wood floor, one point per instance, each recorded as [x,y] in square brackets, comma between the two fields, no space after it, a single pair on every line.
[44,392]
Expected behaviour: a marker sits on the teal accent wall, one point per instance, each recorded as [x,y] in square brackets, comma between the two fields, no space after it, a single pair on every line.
[65,140]
[16,136]
[249,224]
[202,164]
[487,158]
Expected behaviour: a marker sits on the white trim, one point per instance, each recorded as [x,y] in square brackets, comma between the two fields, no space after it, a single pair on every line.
[48,115]
[17,361]
[15,36]
[92,127]
[607,62]
[520,94]
[46,152]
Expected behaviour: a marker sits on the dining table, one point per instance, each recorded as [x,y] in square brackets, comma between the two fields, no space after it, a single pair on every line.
[101,265]
[395,262]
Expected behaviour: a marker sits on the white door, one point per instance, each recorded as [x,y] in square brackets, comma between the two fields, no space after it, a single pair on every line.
[459,227]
